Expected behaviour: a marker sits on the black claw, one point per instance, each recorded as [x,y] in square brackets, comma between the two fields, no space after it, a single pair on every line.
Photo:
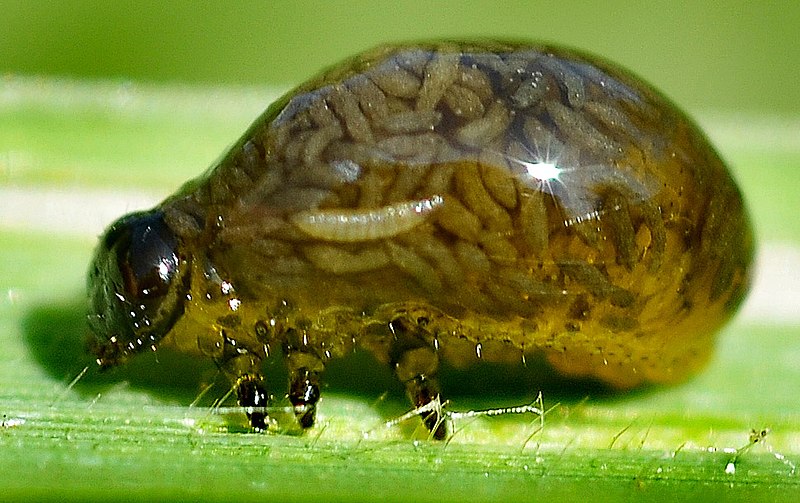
[306,415]
[304,395]
[435,421]
[423,391]
[251,394]
[258,421]
[437,425]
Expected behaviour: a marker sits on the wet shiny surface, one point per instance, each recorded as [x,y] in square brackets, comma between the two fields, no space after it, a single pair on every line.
[457,201]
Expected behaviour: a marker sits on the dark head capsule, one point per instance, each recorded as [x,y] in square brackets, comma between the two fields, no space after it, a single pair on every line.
[135,286]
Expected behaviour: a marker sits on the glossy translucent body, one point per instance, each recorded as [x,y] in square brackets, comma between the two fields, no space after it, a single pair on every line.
[500,199]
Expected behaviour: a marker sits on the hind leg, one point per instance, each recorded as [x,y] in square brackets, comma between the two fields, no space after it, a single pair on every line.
[416,363]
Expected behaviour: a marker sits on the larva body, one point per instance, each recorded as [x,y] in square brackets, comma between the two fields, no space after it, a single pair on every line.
[462,201]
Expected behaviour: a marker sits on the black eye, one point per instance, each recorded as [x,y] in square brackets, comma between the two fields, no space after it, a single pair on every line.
[147,257]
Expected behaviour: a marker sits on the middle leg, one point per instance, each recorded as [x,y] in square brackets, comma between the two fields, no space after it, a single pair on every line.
[305,368]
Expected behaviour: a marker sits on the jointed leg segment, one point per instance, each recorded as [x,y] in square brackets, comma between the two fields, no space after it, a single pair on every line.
[416,364]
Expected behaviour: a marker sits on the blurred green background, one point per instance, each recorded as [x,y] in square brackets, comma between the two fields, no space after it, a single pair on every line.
[737,56]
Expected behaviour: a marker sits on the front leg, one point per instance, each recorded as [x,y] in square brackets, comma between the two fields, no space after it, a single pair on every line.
[243,369]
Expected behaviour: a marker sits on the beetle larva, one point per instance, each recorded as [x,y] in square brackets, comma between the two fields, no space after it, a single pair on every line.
[456,201]
[365,225]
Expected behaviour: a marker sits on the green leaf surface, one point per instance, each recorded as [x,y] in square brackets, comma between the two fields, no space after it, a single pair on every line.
[134,434]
